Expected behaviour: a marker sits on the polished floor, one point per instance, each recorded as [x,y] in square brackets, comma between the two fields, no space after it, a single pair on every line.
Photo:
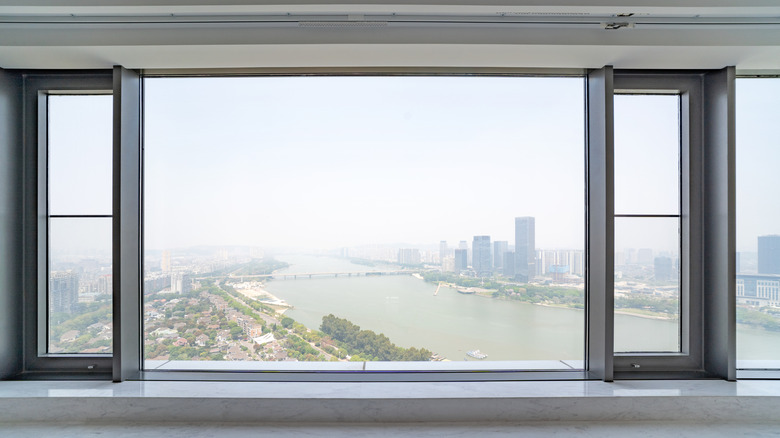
[552,429]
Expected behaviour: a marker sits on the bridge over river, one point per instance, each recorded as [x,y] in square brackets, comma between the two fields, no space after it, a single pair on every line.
[306,275]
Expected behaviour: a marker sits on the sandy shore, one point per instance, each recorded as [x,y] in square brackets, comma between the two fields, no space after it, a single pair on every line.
[264,296]
[659,317]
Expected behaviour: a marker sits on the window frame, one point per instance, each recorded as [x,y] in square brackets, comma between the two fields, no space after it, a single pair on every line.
[700,170]
[391,374]
[765,372]
[710,353]
[688,89]
[37,88]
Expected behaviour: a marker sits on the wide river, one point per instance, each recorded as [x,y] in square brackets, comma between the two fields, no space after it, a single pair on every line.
[405,309]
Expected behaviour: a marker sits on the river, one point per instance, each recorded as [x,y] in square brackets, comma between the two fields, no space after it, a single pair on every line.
[450,323]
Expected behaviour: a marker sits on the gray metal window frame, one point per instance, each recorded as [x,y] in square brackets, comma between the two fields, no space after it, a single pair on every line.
[36,89]
[708,190]
[314,375]
[707,295]
[686,87]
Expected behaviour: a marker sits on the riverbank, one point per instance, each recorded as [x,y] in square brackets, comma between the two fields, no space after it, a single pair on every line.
[256,291]
[646,316]
[490,293]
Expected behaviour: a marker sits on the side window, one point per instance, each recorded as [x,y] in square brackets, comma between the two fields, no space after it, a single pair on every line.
[758,230]
[79,189]
[647,223]
[68,169]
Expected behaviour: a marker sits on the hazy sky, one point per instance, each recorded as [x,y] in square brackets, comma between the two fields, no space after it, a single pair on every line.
[758,160]
[324,162]
[80,137]
[647,172]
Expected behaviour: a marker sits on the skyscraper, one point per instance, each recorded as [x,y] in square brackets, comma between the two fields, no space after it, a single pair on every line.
[644,256]
[181,283]
[525,248]
[509,264]
[63,291]
[165,262]
[409,256]
[461,260]
[465,245]
[499,248]
[769,254]
[443,251]
[663,268]
[482,259]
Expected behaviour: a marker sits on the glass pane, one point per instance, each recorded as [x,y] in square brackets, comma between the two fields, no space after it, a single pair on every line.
[758,230]
[647,285]
[80,149]
[80,285]
[647,154]
[386,202]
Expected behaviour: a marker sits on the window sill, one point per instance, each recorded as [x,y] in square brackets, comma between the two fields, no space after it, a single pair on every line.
[160,401]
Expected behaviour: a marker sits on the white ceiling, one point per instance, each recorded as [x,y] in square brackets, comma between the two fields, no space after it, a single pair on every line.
[165,34]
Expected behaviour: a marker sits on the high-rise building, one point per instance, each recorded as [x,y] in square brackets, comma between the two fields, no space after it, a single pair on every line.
[577,262]
[105,284]
[630,256]
[443,252]
[739,262]
[482,257]
[499,248]
[465,245]
[644,256]
[409,256]
[663,268]
[509,264]
[525,248]
[769,254]
[181,283]
[448,264]
[461,260]
[545,259]
[63,292]
[165,262]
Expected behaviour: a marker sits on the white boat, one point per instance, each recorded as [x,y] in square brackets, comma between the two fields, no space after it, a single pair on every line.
[476,354]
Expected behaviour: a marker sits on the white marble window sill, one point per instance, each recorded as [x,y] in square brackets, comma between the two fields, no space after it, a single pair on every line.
[702,400]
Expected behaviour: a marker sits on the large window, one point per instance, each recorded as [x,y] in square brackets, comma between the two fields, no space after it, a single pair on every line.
[758,229]
[344,220]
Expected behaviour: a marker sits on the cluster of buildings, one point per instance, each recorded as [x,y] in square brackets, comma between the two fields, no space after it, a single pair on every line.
[520,260]
[68,288]
[249,326]
[209,332]
[644,264]
[762,288]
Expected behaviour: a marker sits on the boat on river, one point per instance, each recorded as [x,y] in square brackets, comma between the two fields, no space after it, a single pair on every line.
[476,354]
